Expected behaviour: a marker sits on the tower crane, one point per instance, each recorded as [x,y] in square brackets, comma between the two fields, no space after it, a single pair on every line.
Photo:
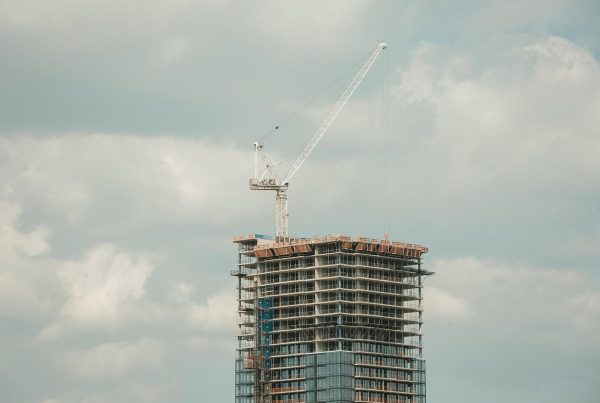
[268,179]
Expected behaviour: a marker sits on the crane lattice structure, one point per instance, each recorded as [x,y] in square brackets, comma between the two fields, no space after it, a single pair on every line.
[268,179]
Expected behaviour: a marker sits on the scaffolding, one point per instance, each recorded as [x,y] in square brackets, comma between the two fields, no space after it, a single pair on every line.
[302,300]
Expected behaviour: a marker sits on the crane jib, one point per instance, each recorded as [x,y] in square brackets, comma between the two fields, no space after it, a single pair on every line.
[268,180]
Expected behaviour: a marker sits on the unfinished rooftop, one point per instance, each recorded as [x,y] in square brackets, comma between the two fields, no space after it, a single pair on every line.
[310,306]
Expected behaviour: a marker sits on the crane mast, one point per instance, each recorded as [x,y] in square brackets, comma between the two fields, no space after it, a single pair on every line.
[268,180]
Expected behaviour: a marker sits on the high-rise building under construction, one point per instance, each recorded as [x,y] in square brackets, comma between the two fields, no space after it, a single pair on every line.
[332,319]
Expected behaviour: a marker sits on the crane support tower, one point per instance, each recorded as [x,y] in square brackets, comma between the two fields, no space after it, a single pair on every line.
[268,179]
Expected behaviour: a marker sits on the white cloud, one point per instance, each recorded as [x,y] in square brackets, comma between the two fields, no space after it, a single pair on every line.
[518,118]
[116,182]
[530,115]
[441,305]
[13,241]
[116,360]
[522,320]
[217,314]
[25,289]
[210,323]
[101,291]
[559,62]
[489,296]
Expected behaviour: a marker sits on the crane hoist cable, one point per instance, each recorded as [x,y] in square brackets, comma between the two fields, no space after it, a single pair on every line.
[292,115]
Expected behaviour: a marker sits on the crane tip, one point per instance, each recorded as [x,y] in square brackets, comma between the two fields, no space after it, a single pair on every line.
[383,45]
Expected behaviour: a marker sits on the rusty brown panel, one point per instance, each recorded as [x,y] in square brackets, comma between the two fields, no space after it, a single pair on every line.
[282,251]
[260,253]
[302,248]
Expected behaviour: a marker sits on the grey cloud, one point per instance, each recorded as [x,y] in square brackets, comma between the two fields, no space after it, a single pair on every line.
[515,316]
[157,67]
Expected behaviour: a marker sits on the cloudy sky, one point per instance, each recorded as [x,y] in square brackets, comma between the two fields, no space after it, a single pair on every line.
[126,133]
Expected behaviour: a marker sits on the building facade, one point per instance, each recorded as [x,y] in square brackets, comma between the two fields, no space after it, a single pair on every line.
[333,319]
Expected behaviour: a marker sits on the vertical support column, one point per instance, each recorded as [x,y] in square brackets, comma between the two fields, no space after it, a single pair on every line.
[258,358]
[339,316]
[421,398]
[239,278]
[420,284]
[265,319]
[339,297]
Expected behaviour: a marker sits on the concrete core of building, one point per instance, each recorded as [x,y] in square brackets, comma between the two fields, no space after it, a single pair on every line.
[329,319]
